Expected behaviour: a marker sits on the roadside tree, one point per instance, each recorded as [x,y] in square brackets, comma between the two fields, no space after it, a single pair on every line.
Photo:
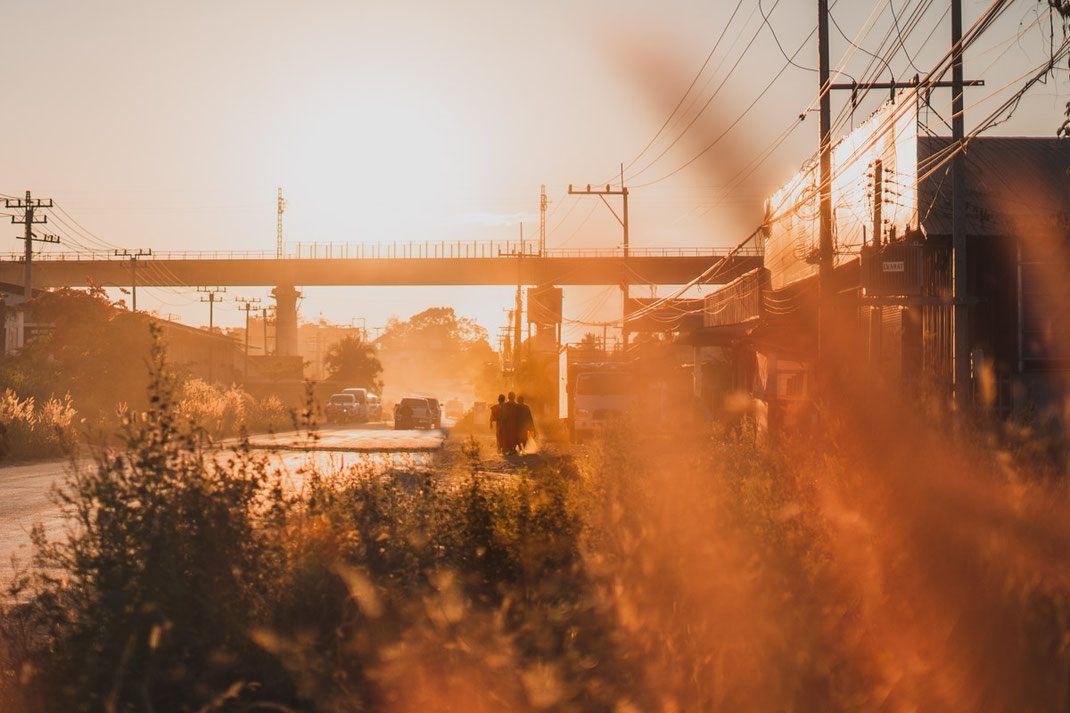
[355,362]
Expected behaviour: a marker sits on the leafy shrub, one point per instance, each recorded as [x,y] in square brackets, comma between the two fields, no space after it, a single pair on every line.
[192,583]
[169,561]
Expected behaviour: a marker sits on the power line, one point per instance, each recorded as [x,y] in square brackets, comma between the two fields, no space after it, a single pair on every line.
[709,101]
[790,60]
[690,87]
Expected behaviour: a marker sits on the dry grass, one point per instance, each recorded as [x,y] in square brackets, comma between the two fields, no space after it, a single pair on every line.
[869,562]
[30,430]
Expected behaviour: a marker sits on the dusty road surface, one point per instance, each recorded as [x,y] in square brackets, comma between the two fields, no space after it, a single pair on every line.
[24,489]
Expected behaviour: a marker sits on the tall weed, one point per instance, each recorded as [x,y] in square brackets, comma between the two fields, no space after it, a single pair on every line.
[229,410]
[31,429]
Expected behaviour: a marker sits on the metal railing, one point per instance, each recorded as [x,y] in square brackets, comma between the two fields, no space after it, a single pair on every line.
[459,249]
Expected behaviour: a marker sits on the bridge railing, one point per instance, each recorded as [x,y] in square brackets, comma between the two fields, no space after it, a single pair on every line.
[443,249]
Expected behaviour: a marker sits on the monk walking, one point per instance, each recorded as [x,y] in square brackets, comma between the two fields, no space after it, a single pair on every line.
[496,422]
[525,424]
[510,420]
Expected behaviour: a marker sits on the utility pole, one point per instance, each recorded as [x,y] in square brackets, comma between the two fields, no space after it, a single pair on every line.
[264,313]
[878,221]
[623,193]
[516,315]
[961,359]
[133,271]
[248,304]
[210,298]
[826,264]
[29,206]
[278,231]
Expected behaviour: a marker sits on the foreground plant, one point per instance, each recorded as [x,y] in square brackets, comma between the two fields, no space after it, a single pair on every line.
[167,563]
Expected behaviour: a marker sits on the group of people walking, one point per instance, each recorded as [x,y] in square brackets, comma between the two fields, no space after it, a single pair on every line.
[513,424]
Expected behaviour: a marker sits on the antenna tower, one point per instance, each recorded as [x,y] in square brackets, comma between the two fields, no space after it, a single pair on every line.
[278,229]
[542,220]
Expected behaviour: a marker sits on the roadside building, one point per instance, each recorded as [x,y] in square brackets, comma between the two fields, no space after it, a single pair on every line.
[891,200]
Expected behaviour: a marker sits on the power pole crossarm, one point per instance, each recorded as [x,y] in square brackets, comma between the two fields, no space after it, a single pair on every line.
[29,206]
[623,220]
[211,297]
[248,304]
[133,257]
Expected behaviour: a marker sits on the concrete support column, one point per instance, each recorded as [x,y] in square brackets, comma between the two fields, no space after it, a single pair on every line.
[285,320]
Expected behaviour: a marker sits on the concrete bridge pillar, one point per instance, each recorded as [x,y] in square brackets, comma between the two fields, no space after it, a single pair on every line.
[285,320]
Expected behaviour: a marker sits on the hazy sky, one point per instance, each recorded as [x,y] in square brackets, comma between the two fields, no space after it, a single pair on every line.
[170,125]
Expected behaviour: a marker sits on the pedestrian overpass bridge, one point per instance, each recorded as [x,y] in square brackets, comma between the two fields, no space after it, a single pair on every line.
[379,264]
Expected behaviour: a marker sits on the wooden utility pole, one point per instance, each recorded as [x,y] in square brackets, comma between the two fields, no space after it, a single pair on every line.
[210,298]
[29,206]
[826,264]
[248,304]
[133,271]
[624,281]
[961,355]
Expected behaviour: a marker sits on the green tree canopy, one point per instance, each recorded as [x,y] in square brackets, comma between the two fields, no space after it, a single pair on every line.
[435,351]
[435,328]
[355,362]
[88,348]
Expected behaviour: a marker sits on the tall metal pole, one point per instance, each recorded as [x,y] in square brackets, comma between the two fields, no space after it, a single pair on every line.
[825,253]
[958,220]
[278,226]
[542,220]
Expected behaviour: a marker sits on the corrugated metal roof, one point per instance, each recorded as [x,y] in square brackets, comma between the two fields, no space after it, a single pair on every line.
[1006,178]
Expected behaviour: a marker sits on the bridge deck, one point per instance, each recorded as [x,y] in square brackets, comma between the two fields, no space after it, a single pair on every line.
[552,269]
